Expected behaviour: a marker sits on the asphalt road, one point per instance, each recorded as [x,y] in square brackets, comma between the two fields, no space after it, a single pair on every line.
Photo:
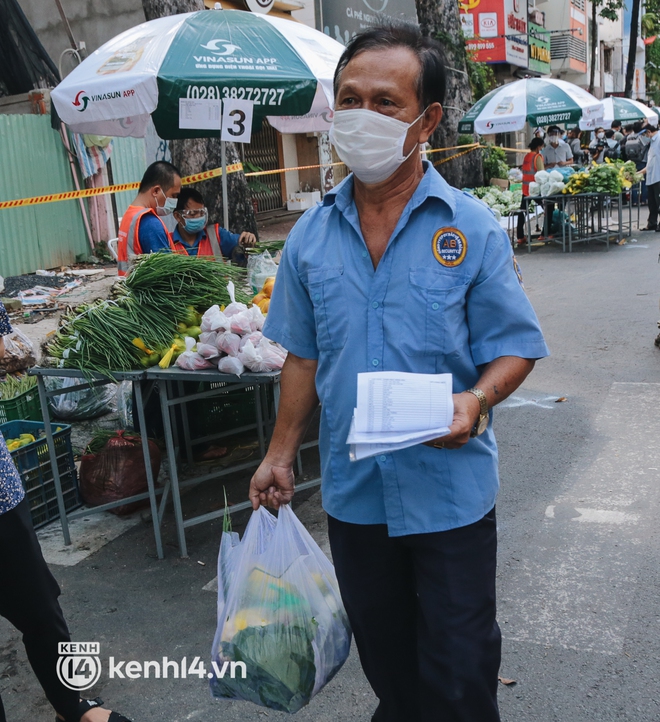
[579,548]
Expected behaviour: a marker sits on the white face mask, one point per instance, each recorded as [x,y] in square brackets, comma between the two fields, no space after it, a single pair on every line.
[600,135]
[165,210]
[370,143]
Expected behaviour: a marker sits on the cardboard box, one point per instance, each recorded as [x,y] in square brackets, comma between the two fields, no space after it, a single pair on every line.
[303,201]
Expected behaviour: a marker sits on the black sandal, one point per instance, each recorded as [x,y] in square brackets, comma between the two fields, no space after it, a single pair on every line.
[86,704]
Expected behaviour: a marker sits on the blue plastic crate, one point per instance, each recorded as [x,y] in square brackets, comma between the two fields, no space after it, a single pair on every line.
[34,467]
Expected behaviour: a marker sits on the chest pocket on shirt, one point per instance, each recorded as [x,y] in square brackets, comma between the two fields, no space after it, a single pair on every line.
[327,290]
[434,311]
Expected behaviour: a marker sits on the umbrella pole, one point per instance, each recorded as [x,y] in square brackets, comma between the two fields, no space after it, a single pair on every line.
[225,201]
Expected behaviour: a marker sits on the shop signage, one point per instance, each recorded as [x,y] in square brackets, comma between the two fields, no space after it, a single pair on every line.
[500,31]
[341,19]
[539,49]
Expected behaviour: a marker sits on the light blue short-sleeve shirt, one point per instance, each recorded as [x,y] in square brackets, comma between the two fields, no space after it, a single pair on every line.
[445,298]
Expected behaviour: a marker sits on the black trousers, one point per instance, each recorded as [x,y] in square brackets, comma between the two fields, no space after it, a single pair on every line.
[28,599]
[422,609]
[654,204]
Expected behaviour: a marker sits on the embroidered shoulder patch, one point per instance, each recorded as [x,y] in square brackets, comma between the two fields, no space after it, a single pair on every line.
[449,247]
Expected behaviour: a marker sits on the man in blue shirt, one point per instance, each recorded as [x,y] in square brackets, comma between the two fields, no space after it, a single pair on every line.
[397,271]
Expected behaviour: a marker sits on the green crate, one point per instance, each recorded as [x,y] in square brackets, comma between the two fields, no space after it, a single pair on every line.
[25,407]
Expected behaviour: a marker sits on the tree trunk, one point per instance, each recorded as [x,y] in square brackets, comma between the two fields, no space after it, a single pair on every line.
[632,48]
[440,19]
[199,154]
[594,42]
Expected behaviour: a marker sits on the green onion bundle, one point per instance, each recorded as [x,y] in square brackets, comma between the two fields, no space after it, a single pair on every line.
[163,290]
[14,386]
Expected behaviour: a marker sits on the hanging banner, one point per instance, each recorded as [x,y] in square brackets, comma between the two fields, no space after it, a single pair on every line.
[341,19]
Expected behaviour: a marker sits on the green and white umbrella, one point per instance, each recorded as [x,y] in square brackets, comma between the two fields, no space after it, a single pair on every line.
[538,101]
[624,109]
[283,67]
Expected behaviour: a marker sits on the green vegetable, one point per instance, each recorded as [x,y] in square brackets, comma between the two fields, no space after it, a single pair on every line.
[14,386]
[280,667]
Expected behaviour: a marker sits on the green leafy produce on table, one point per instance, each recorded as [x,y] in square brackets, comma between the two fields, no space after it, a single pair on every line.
[503,203]
[140,327]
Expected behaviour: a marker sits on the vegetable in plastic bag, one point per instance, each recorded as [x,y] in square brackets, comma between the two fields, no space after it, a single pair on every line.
[233,307]
[255,337]
[208,337]
[191,360]
[208,350]
[241,323]
[19,352]
[257,319]
[262,358]
[79,405]
[214,320]
[279,612]
[230,365]
[228,343]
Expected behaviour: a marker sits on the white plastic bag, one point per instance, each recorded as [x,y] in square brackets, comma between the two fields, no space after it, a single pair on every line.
[19,352]
[260,267]
[241,323]
[191,360]
[125,404]
[208,350]
[233,307]
[279,612]
[230,365]
[257,319]
[208,337]
[228,343]
[214,320]
[261,358]
[255,337]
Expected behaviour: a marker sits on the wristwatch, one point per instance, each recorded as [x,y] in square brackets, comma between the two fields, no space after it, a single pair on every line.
[482,421]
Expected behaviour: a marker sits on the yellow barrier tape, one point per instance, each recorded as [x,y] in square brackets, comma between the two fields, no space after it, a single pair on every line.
[104,190]
[207,175]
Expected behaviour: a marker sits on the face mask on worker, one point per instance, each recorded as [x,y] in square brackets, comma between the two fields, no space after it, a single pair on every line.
[370,143]
[600,136]
[554,140]
[194,225]
[168,207]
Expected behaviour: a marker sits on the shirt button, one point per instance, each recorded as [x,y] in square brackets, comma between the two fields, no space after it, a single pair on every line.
[375,304]
[382,458]
[435,306]
[317,297]
[364,254]
[375,362]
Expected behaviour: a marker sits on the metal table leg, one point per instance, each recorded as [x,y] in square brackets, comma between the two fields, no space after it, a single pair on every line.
[43,400]
[174,473]
[155,519]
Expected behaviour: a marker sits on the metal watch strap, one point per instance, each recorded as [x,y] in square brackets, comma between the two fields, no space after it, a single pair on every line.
[483,401]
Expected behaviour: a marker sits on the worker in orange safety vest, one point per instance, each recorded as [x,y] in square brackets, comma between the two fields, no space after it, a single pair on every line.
[141,229]
[194,236]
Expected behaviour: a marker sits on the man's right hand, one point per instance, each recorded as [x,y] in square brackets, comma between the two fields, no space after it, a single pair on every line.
[272,485]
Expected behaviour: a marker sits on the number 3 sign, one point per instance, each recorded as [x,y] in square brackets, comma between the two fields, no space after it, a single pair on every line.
[236,120]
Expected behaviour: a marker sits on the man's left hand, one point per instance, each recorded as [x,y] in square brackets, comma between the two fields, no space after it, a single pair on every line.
[466,413]
[247,240]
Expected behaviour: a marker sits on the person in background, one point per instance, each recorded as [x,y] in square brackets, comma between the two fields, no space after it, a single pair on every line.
[531,165]
[29,592]
[652,177]
[574,145]
[141,229]
[636,150]
[539,133]
[612,146]
[616,127]
[557,153]
[195,236]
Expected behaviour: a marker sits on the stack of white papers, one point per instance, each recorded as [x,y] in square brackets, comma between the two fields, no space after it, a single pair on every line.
[396,410]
